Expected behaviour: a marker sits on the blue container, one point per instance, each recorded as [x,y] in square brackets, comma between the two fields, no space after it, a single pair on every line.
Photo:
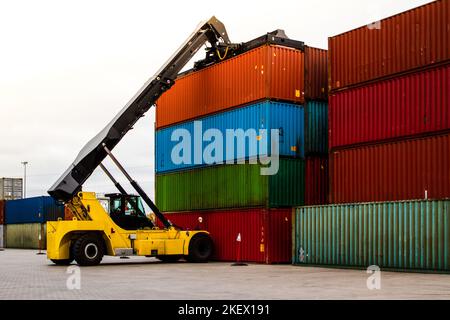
[288,118]
[33,210]
[316,128]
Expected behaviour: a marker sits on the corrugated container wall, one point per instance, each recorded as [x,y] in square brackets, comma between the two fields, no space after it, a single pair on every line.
[2,212]
[26,236]
[404,235]
[231,186]
[412,39]
[267,115]
[2,236]
[264,72]
[11,188]
[32,210]
[316,128]
[316,74]
[407,169]
[409,105]
[266,234]
[316,180]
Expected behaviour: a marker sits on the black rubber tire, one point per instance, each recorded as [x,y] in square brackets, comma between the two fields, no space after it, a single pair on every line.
[62,262]
[88,250]
[201,248]
[169,258]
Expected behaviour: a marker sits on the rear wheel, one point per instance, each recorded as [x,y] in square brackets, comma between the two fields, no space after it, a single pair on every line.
[169,258]
[200,248]
[62,262]
[88,250]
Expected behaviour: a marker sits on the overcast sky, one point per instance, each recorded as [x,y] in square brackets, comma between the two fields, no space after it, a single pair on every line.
[67,67]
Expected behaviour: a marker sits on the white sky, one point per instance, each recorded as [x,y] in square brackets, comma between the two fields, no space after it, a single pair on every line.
[67,67]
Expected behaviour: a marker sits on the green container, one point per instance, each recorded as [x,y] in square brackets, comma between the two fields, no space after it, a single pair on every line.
[26,236]
[403,235]
[231,186]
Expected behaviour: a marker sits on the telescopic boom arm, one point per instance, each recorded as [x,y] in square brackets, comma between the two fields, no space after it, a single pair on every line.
[93,153]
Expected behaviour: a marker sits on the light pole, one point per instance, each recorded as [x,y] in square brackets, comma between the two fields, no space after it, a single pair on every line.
[25,178]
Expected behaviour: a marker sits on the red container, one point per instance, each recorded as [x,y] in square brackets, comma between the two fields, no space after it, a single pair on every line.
[316,180]
[316,74]
[412,104]
[267,72]
[265,233]
[407,169]
[2,212]
[412,39]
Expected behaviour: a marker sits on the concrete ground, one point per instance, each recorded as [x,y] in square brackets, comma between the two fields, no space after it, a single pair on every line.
[25,275]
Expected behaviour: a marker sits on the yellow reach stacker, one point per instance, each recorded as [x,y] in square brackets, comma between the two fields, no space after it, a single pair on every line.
[125,230]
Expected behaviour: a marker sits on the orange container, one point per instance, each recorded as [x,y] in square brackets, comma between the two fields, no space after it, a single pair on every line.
[410,40]
[266,72]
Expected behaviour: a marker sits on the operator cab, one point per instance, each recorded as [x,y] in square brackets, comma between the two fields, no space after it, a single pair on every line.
[128,212]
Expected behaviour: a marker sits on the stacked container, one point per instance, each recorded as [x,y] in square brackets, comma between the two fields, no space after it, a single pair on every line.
[389,111]
[389,126]
[2,222]
[25,221]
[267,87]
[11,188]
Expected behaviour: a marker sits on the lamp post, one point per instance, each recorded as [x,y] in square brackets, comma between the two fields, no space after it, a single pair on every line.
[25,178]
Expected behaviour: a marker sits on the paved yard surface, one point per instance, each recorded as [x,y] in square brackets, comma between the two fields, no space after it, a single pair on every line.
[25,275]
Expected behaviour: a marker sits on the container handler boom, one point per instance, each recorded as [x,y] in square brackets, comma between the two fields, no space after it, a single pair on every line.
[93,232]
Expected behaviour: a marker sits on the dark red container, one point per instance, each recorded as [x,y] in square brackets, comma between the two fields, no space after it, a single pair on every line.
[316,183]
[409,105]
[402,170]
[409,40]
[266,234]
[316,74]
[2,212]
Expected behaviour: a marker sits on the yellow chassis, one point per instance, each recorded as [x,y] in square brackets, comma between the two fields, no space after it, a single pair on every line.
[118,242]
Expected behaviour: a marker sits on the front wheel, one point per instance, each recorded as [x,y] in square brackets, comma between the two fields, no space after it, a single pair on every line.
[88,250]
[200,248]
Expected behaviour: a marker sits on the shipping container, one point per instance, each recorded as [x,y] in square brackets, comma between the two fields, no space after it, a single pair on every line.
[33,210]
[2,236]
[404,235]
[409,105]
[316,127]
[232,186]
[401,170]
[2,212]
[316,74]
[11,188]
[266,234]
[413,39]
[26,236]
[255,123]
[267,72]
[316,180]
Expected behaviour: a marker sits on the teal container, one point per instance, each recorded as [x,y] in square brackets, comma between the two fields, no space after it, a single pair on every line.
[402,235]
[316,127]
